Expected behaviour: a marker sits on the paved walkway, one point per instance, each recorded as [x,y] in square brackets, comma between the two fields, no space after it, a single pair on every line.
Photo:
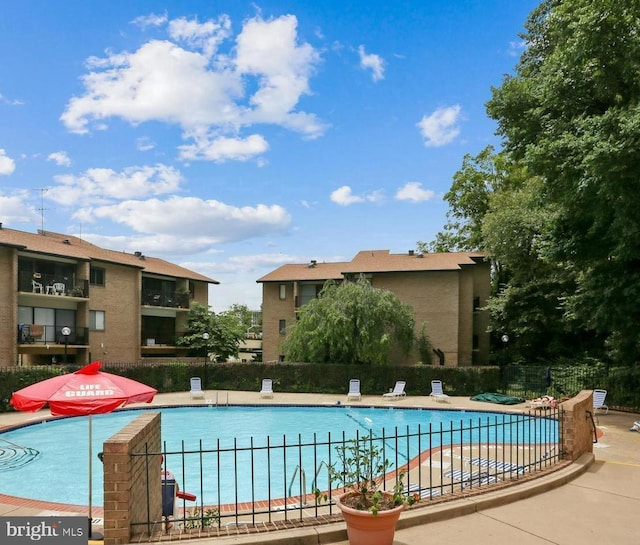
[592,503]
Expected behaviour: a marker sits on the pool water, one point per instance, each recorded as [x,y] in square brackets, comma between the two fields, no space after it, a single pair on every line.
[59,472]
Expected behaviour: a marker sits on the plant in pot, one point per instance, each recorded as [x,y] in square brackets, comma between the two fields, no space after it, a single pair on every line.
[371,513]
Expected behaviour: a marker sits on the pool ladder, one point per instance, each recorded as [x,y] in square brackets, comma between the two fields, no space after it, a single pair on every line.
[303,476]
[210,401]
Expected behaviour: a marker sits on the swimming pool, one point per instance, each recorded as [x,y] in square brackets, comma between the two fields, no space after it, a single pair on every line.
[225,435]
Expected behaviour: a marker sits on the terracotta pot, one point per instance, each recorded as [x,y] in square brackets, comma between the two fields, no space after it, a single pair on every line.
[363,528]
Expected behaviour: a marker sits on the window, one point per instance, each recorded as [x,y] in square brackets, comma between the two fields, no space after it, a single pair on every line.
[283,291]
[309,292]
[476,303]
[96,276]
[96,320]
[282,327]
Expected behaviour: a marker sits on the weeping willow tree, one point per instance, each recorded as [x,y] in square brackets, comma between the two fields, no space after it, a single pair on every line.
[350,323]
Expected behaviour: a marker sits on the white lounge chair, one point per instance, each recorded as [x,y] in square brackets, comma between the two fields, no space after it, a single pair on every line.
[398,390]
[437,393]
[196,388]
[267,388]
[598,401]
[354,389]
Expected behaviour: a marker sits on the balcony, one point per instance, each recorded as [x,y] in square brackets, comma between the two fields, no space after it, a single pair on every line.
[49,284]
[49,334]
[156,298]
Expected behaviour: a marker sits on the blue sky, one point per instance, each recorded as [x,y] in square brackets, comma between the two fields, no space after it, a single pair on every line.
[232,137]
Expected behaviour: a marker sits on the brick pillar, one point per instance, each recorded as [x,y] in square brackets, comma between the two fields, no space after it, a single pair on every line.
[132,486]
[577,425]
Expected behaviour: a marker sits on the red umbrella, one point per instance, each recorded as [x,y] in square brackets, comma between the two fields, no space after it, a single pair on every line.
[87,391]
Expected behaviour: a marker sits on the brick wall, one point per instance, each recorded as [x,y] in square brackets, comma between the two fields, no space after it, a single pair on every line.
[128,479]
[577,425]
[8,307]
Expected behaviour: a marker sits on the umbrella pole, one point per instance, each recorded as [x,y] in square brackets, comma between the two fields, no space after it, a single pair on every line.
[95,536]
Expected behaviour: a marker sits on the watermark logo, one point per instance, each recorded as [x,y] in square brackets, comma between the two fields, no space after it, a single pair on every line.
[43,530]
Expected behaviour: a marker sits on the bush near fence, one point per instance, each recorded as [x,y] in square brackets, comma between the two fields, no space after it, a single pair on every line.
[622,384]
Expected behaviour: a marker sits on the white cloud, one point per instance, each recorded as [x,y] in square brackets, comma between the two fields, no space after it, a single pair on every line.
[269,50]
[152,19]
[441,127]
[189,225]
[7,164]
[224,149]
[515,48]
[13,208]
[11,102]
[413,191]
[104,185]
[199,87]
[145,143]
[371,62]
[60,158]
[344,196]
[205,36]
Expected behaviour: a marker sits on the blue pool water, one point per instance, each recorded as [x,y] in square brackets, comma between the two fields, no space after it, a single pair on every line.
[60,471]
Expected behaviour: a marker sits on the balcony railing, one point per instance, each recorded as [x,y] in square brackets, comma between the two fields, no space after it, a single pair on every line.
[49,284]
[156,298]
[50,334]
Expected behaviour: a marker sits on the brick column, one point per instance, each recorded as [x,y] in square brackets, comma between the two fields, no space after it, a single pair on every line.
[577,425]
[132,487]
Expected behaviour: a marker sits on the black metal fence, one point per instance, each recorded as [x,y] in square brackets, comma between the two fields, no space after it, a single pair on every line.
[274,479]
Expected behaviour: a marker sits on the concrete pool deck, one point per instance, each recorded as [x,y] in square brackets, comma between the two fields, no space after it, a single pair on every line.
[584,504]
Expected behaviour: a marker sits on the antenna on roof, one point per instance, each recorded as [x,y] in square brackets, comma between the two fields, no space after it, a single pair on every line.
[42,190]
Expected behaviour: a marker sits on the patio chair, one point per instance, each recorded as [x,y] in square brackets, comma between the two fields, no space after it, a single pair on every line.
[437,393]
[267,388]
[196,388]
[598,401]
[36,287]
[398,390]
[58,288]
[354,389]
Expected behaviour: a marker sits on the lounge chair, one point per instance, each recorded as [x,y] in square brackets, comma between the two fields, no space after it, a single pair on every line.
[598,401]
[196,388]
[437,393]
[398,390]
[354,389]
[267,388]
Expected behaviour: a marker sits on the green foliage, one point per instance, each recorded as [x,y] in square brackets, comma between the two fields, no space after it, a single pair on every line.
[424,345]
[571,115]
[201,519]
[216,335]
[360,469]
[351,322]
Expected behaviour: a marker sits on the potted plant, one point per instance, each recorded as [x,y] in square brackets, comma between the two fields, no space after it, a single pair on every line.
[371,513]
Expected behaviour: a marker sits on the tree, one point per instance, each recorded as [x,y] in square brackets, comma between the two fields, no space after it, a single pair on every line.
[350,323]
[571,115]
[225,332]
[468,200]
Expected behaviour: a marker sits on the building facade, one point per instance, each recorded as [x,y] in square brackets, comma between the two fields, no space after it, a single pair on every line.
[447,292]
[63,299]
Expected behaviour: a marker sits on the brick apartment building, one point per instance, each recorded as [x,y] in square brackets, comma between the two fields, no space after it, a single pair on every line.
[446,291]
[63,298]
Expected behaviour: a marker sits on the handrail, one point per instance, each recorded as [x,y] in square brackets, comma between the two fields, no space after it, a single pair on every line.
[314,485]
[303,492]
[595,428]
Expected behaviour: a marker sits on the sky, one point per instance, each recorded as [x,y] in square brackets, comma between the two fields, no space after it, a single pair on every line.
[233,137]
